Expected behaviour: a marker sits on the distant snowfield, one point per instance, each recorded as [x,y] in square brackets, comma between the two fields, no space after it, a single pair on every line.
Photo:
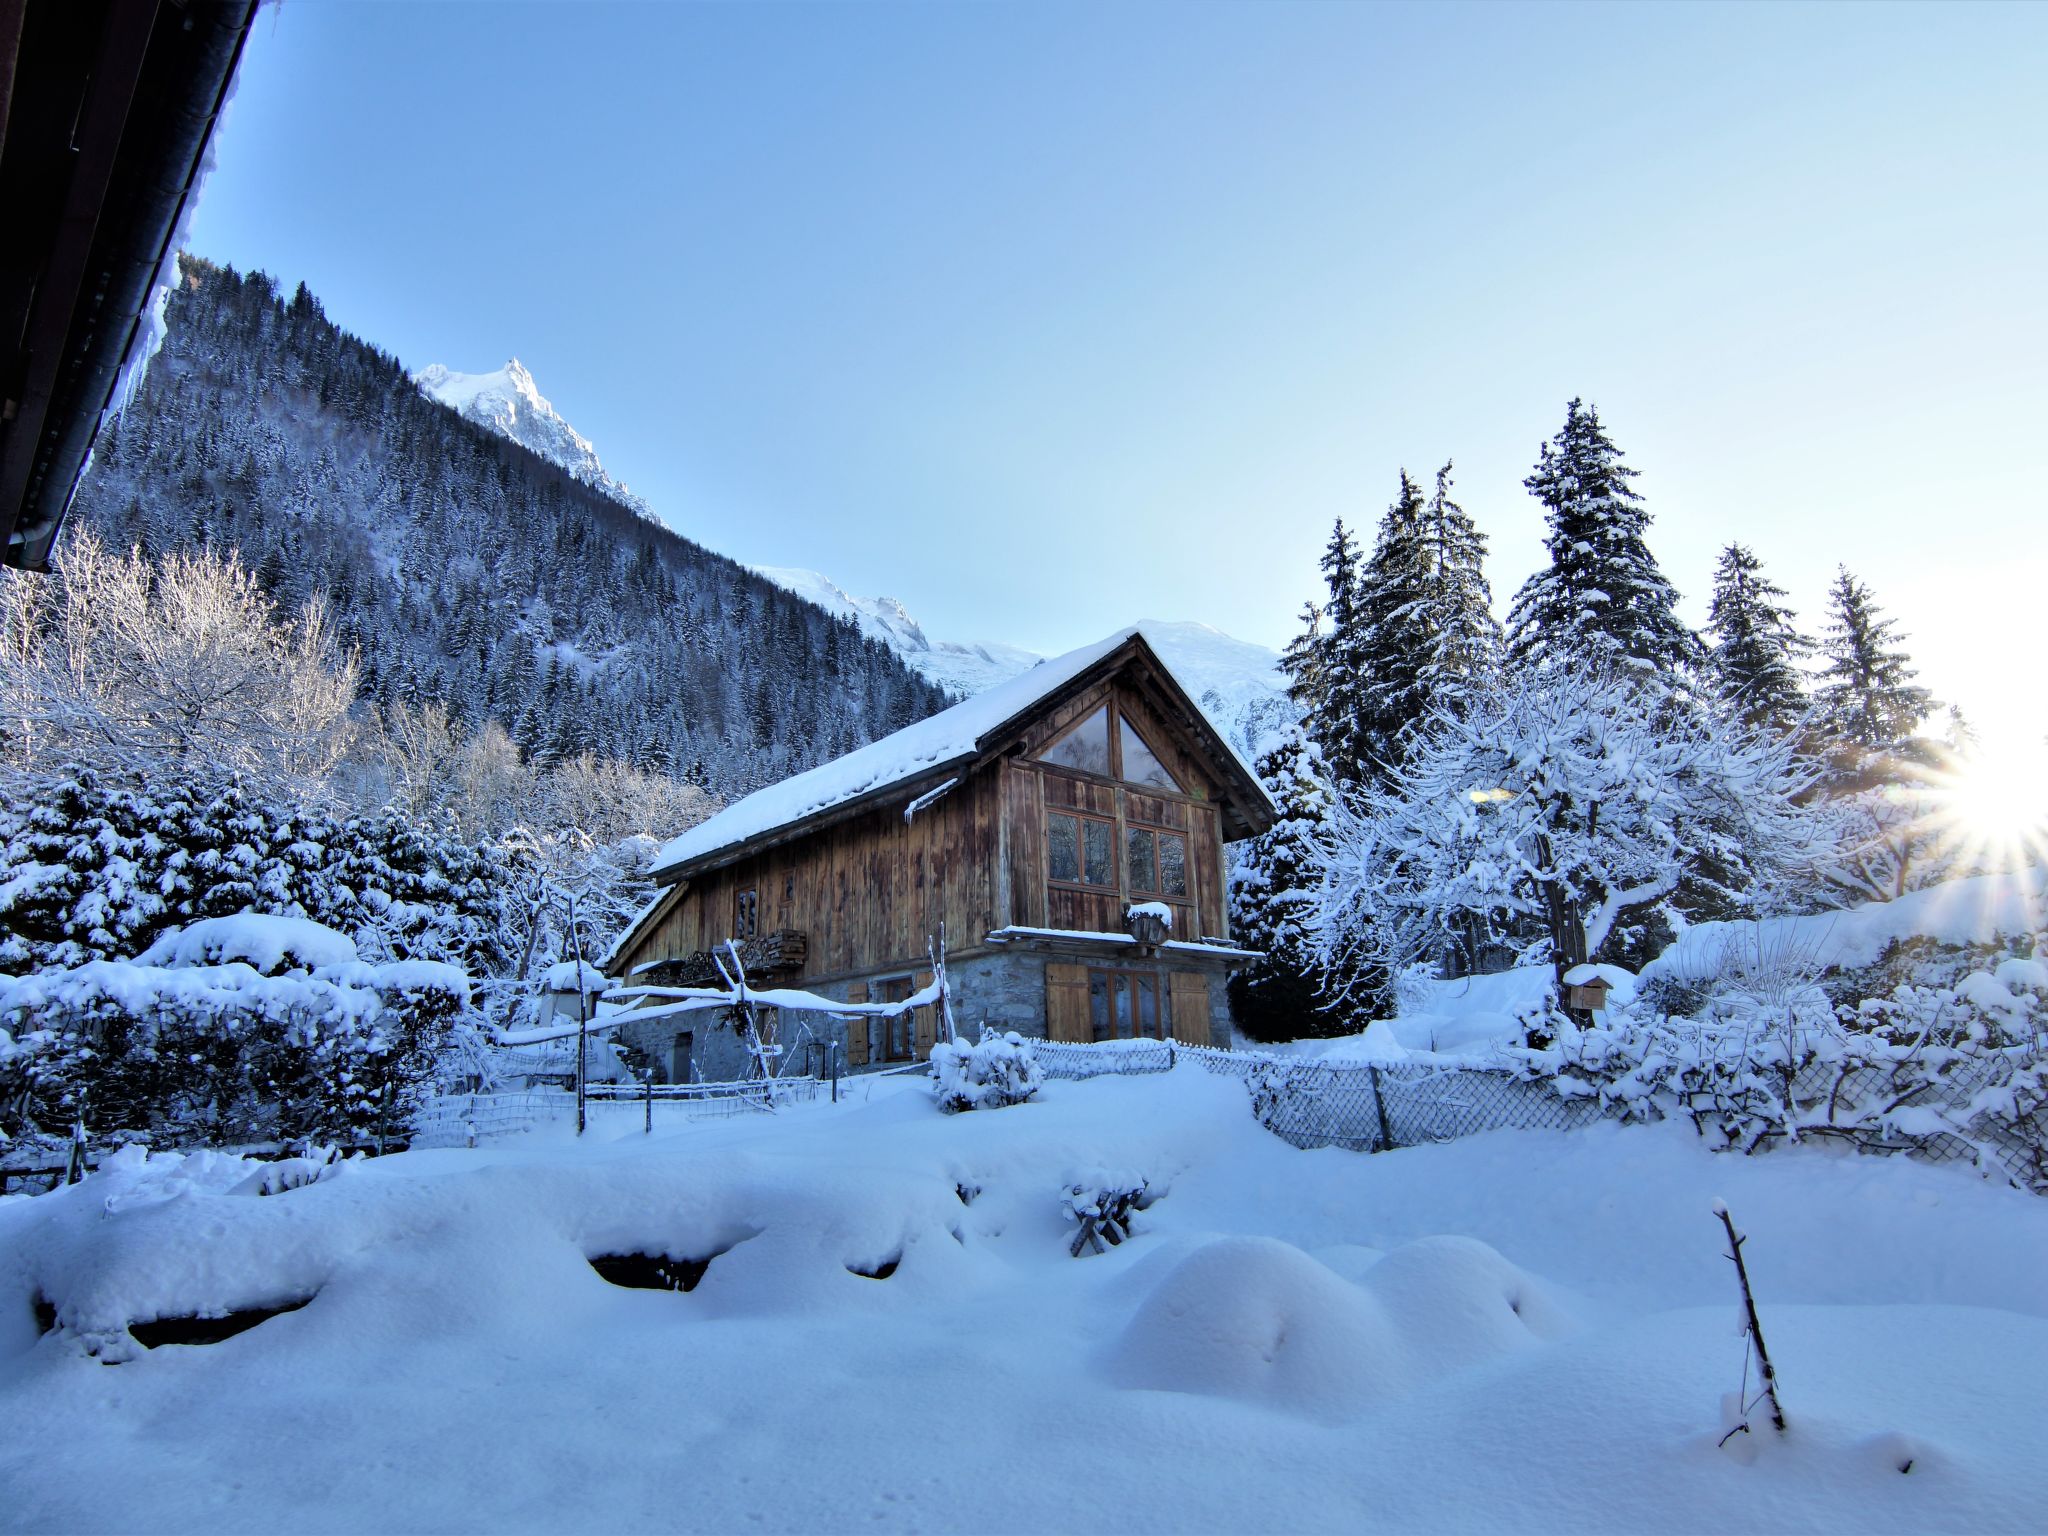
[1522,1331]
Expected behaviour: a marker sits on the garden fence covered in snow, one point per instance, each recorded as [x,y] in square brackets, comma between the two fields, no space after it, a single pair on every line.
[1377,1106]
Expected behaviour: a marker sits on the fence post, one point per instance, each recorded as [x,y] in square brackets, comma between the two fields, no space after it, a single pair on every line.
[650,1102]
[1379,1105]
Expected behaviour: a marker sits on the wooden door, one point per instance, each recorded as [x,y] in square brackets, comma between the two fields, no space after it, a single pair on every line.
[1066,1003]
[1190,996]
[857,1028]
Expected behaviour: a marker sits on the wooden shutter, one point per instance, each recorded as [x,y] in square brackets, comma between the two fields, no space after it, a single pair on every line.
[927,1019]
[1066,1004]
[1190,996]
[857,1029]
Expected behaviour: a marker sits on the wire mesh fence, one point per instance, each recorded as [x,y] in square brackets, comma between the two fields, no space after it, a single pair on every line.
[1374,1106]
[470,1119]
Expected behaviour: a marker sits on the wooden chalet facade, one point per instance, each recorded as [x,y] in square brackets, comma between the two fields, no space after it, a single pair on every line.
[1025,823]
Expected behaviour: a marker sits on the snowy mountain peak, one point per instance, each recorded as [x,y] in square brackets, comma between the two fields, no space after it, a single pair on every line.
[511,404]
[1238,683]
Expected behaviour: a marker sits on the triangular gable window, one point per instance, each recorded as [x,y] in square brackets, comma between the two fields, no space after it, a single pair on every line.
[1085,747]
[1140,766]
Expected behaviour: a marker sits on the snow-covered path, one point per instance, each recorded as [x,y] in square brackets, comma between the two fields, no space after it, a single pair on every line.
[1518,1331]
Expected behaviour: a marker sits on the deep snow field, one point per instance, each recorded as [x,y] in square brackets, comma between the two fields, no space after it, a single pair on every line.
[1520,1331]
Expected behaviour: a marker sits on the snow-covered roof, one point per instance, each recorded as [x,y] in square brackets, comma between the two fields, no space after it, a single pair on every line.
[952,736]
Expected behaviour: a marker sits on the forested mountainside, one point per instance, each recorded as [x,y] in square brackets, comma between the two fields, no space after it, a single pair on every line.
[466,569]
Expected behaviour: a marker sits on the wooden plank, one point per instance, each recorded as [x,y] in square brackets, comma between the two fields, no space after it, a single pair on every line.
[926,1018]
[857,1029]
[1066,1003]
[1189,994]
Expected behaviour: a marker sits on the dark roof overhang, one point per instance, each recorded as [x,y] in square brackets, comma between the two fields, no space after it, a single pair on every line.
[106,107]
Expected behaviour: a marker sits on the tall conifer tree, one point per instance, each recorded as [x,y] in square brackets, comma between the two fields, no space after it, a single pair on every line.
[1603,594]
[1756,646]
[1868,700]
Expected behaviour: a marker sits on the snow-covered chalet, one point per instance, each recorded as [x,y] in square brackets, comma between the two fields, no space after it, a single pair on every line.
[1029,821]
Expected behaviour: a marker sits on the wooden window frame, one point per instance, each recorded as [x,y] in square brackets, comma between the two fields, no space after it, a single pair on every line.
[1114,884]
[893,989]
[1161,1007]
[746,912]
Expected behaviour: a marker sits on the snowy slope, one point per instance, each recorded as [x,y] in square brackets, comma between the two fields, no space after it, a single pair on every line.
[1526,1331]
[960,668]
[511,404]
[1238,683]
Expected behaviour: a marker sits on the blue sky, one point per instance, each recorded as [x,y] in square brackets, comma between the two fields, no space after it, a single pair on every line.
[1046,318]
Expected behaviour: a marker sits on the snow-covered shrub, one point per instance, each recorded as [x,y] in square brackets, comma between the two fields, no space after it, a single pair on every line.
[1101,1205]
[191,1052]
[1959,1070]
[996,1070]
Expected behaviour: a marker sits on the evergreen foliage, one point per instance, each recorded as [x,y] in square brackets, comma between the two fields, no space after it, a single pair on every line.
[464,570]
[1603,598]
[1756,646]
[1428,638]
[1272,895]
[1869,704]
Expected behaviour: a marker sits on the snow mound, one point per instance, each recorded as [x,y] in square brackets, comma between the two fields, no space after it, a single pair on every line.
[1259,1320]
[254,938]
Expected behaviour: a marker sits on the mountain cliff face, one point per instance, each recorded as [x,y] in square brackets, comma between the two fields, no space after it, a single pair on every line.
[467,569]
[511,405]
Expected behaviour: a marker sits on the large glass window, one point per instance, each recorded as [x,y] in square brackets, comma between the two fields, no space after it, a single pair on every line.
[1140,766]
[1080,850]
[1085,747]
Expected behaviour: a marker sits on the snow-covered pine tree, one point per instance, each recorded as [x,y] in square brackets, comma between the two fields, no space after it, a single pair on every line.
[1272,897]
[1756,646]
[1428,637]
[1331,694]
[1869,704]
[1603,598]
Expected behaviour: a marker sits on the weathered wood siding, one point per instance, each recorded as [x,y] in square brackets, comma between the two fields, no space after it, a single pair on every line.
[869,893]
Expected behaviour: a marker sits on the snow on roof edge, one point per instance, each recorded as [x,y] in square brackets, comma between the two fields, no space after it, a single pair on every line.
[928,744]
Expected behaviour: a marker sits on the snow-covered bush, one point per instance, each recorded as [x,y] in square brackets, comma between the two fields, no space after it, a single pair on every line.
[996,1070]
[1102,1206]
[1960,1070]
[196,1044]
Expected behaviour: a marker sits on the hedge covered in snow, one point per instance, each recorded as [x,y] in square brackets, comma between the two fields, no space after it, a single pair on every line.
[233,1030]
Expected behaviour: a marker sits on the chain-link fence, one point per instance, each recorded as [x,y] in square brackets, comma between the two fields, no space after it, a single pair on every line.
[1374,1106]
[469,1119]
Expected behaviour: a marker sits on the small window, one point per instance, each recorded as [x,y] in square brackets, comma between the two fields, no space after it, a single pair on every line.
[1080,850]
[746,914]
[1141,856]
[1085,747]
[1124,1005]
[1140,766]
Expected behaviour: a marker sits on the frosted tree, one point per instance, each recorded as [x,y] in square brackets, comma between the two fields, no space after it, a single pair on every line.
[138,667]
[1330,682]
[1869,703]
[1602,597]
[1560,815]
[1755,645]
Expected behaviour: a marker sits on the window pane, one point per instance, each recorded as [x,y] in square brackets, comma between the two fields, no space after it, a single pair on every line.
[1173,866]
[1140,766]
[1085,747]
[1139,845]
[1148,1007]
[1100,868]
[1098,1003]
[1123,1007]
[1062,847]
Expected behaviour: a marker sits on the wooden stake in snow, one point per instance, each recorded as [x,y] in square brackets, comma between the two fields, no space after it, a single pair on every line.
[1755,1334]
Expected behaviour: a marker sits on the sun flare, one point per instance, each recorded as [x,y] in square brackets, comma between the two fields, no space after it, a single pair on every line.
[2002,800]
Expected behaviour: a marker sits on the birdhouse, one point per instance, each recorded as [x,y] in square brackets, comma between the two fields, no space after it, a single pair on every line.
[1588,996]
